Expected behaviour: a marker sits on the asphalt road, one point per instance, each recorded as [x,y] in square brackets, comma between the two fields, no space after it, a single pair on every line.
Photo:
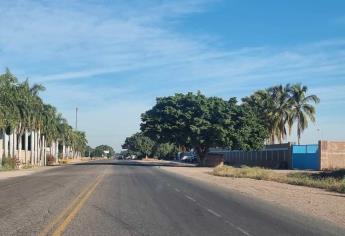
[131,198]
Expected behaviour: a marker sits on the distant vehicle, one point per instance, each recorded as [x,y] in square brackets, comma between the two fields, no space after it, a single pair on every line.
[189,159]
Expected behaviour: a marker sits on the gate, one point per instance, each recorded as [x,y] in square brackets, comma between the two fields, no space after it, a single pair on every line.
[305,157]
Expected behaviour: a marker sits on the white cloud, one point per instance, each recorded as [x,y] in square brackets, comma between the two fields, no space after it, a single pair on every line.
[68,46]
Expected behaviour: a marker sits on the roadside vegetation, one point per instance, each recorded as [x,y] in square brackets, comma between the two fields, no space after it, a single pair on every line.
[99,151]
[29,124]
[280,107]
[142,146]
[329,180]
[195,122]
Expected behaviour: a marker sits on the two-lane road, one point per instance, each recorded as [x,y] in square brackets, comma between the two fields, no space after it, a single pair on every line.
[132,198]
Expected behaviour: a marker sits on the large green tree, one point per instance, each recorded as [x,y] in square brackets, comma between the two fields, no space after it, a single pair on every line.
[99,151]
[250,129]
[190,120]
[165,150]
[139,144]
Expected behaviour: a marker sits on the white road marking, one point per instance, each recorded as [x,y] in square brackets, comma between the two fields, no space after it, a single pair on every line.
[177,190]
[228,222]
[190,198]
[243,231]
[238,228]
[213,212]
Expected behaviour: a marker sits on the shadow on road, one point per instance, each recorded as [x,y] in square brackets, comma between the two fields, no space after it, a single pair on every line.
[137,163]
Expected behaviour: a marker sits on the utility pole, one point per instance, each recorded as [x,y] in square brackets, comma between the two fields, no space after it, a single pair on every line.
[76,118]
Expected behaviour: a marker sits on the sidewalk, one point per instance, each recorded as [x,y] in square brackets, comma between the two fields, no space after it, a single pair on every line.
[5,174]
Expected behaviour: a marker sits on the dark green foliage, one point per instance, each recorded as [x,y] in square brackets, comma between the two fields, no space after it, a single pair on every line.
[9,163]
[200,122]
[139,145]
[279,107]
[250,130]
[165,151]
[99,151]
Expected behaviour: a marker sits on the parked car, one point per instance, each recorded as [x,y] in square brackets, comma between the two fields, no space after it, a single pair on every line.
[189,159]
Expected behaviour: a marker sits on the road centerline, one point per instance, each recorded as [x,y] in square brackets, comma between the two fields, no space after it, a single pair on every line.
[68,214]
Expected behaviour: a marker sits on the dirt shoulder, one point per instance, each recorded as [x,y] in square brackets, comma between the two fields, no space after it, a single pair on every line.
[319,203]
[23,172]
[5,174]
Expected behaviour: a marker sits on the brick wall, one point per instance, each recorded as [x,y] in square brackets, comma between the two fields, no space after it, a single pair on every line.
[332,155]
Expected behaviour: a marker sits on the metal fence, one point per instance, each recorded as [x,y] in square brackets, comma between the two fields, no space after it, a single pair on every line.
[270,158]
[305,157]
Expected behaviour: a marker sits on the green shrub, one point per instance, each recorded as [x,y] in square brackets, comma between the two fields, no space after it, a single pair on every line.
[10,163]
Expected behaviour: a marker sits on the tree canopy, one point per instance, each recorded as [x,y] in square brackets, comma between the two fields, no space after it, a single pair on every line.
[99,151]
[139,145]
[279,107]
[143,146]
[23,110]
[200,122]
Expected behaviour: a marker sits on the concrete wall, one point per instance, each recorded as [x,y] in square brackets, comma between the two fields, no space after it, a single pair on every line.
[332,155]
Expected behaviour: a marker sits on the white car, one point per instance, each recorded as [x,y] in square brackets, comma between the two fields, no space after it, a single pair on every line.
[190,159]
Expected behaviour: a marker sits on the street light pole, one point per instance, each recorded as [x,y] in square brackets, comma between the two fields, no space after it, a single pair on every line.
[76,118]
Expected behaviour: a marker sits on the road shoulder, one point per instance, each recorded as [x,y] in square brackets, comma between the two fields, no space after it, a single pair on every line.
[317,203]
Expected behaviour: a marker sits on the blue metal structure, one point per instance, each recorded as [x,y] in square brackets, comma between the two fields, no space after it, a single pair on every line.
[305,157]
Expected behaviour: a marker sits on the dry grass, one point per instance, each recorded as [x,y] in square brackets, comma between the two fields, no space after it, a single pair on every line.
[329,180]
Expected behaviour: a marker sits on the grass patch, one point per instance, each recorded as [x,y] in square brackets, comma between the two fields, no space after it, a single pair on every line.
[9,163]
[329,180]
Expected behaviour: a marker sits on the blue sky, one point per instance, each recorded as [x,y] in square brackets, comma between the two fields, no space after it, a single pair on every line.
[113,58]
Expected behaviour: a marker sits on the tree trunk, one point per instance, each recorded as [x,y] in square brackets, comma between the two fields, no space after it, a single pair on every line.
[11,145]
[32,146]
[298,133]
[5,144]
[35,148]
[39,147]
[15,139]
[57,149]
[26,145]
[202,152]
[43,151]
[63,150]
[2,149]
[19,141]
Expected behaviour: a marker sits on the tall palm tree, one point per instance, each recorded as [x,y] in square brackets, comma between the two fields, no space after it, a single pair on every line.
[22,111]
[280,110]
[303,108]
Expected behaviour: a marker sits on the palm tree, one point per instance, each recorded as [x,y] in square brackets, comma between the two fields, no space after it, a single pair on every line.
[302,110]
[272,107]
[22,111]
[280,110]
